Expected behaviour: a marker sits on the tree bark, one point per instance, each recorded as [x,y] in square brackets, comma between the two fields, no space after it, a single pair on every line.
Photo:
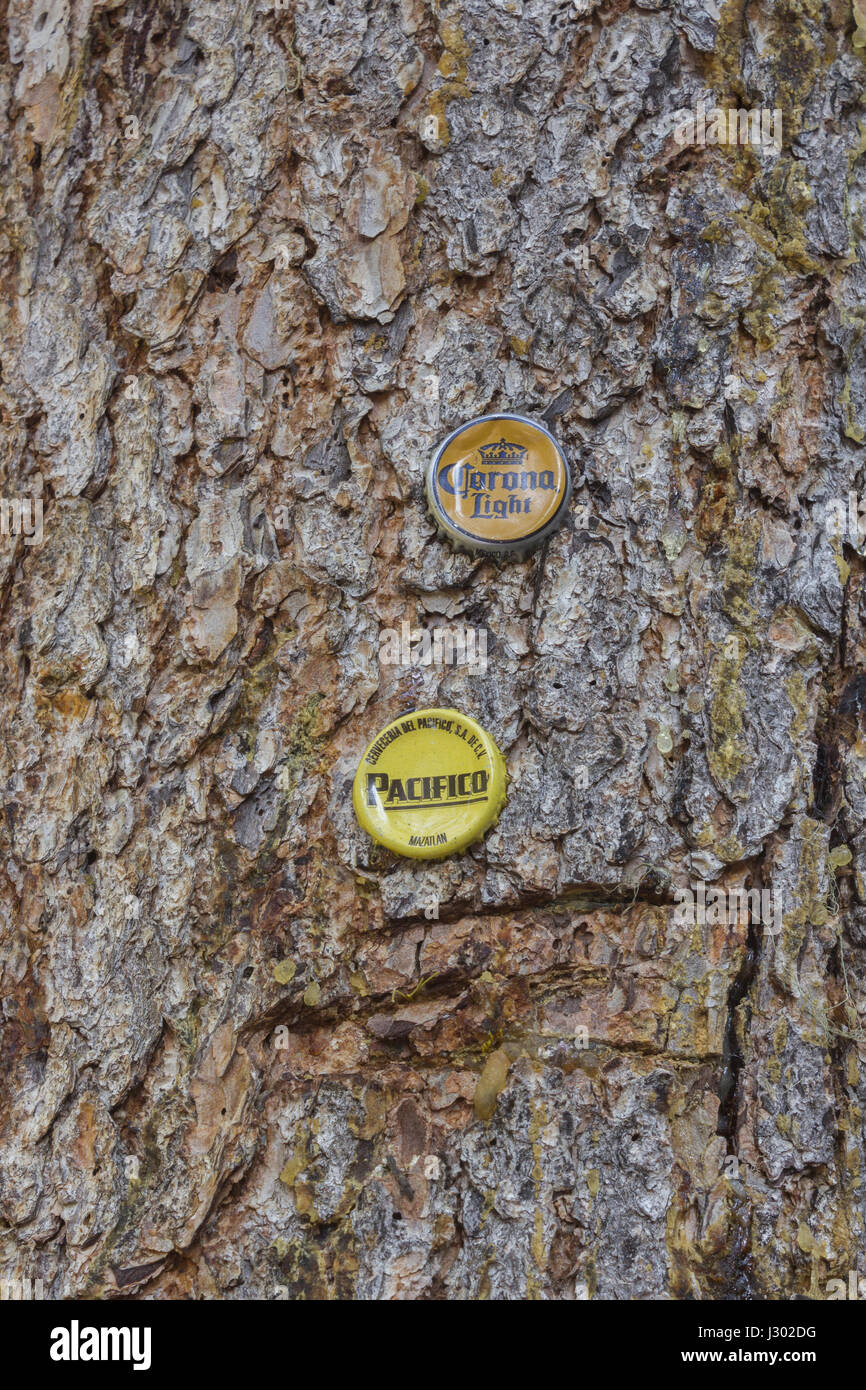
[258,260]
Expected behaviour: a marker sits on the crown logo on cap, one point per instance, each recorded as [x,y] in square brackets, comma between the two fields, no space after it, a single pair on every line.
[503,452]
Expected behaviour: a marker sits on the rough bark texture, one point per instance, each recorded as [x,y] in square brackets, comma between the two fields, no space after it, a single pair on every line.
[255,264]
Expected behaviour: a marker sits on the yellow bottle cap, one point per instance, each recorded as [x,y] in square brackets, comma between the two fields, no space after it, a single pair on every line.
[429,784]
[499,485]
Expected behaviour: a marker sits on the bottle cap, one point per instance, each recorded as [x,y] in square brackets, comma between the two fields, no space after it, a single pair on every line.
[499,485]
[429,784]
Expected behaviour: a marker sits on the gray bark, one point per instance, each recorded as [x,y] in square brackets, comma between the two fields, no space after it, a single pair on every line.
[256,263]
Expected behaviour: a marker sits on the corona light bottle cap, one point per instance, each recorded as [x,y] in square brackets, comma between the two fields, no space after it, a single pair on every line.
[429,784]
[499,485]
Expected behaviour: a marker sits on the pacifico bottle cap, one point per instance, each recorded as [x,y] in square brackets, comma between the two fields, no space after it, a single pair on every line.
[429,784]
[499,485]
